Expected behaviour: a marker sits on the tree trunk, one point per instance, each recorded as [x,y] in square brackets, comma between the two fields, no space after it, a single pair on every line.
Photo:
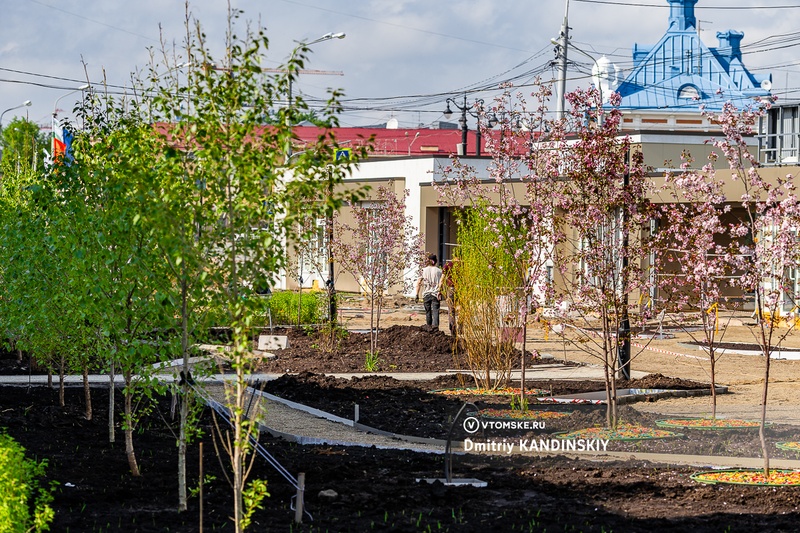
[112,436]
[374,323]
[608,394]
[129,451]
[522,364]
[87,393]
[761,434]
[184,392]
[299,299]
[712,359]
[61,373]
[238,451]
[614,415]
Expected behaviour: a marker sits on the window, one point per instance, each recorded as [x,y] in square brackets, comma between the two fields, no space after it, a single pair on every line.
[689,92]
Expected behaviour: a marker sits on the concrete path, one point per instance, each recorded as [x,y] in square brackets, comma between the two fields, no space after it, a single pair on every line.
[310,426]
[168,372]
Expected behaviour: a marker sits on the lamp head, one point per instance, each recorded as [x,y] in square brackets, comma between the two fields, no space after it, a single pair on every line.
[448,112]
[26,103]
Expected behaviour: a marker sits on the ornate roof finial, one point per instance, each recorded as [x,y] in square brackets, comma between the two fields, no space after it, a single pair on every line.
[681,14]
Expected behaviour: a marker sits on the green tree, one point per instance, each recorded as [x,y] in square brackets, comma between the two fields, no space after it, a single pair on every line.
[23,146]
[229,198]
[486,287]
[114,256]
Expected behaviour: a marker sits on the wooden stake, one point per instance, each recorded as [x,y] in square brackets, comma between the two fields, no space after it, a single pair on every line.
[299,503]
[201,487]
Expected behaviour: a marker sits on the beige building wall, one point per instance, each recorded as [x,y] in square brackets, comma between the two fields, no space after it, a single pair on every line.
[662,150]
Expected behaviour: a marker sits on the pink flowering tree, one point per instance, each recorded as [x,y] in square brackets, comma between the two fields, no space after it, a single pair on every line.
[601,256]
[693,255]
[378,249]
[516,199]
[769,250]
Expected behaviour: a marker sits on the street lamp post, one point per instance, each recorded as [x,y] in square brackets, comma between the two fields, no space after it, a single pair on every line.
[329,215]
[327,37]
[26,103]
[562,44]
[463,123]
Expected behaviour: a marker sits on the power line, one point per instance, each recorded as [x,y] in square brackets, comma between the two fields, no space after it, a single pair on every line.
[662,6]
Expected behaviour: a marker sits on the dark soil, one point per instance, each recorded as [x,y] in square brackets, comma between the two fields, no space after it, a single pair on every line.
[374,489]
[400,349]
[409,408]
[749,346]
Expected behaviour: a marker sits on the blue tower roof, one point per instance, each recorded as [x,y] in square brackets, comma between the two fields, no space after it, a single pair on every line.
[680,73]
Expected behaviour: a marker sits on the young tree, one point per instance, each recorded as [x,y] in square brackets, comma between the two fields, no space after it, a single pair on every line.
[23,146]
[603,216]
[517,203]
[486,289]
[40,289]
[769,251]
[693,254]
[378,250]
[119,265]
[245,198]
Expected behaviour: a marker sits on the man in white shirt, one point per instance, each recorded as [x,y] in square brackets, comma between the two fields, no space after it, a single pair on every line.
[430,284]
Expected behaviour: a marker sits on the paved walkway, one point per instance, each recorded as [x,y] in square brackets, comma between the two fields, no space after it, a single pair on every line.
[306,425]
[309,426]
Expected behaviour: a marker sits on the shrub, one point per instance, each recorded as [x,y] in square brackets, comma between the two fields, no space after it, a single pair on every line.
[24,504]
[282,304]
[486,288]
[284,307]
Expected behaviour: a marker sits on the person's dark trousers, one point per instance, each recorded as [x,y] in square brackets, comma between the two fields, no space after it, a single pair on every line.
[432,305]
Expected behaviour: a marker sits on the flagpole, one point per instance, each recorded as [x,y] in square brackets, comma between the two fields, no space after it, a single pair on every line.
[54,130]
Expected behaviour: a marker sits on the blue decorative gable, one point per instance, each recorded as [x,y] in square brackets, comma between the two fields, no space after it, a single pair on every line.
[680,72]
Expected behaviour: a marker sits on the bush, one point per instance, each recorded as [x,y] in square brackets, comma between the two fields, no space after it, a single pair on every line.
[24,505]
[485,293]
[283,305]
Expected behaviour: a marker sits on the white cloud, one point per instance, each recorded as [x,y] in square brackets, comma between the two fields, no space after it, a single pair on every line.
[393,47]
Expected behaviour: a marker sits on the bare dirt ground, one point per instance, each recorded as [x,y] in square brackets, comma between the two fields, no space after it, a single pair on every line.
[365,488]
[357,489]
[673,357]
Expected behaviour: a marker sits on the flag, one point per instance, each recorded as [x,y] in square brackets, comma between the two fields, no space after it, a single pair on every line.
[62,143]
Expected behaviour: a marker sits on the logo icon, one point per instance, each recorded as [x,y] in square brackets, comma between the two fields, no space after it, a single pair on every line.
[471,424]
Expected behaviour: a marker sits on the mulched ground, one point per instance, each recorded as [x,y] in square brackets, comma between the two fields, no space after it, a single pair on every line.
[373,489]
[400,349]
[409,408]
[377,489]
[749,346]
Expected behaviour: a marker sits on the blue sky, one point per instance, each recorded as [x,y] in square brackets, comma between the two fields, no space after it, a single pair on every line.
[401,58]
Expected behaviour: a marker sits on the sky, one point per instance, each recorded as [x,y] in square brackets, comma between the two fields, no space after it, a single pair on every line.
[400,59]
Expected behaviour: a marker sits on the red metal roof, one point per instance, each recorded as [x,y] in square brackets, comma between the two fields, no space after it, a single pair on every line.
[395,142]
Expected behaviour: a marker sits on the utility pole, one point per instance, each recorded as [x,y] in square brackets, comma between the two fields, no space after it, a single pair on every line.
[624,334]
[563,43]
